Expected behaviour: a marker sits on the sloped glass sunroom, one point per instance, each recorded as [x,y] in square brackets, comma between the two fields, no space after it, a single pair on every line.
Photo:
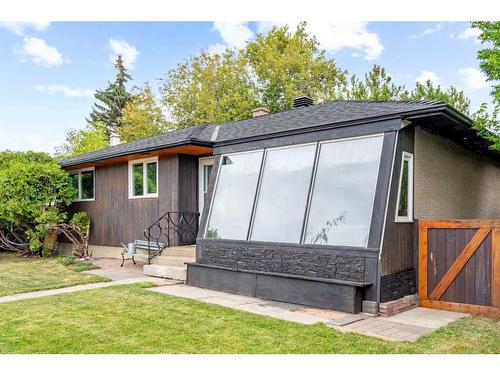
[318,193]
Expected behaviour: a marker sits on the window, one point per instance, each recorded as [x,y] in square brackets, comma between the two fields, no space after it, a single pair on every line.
[204,170]
[404,207]
[83,182]
[286,177]
[344,191]
[235,192]
[321,193]
[143,178]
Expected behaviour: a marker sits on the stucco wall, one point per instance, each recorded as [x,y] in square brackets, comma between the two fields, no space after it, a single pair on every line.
[452,182]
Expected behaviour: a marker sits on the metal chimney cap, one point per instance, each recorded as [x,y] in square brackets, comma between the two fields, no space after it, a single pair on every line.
[302,101]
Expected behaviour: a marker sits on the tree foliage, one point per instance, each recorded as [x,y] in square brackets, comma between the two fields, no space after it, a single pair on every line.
[377,85]
[288,64]
[209,88]
[34,191]
[80,141]
[428,91]
[489,58]
[111,100]
[142,116]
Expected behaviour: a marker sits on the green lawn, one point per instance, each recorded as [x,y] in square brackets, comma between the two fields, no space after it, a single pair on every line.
[21,275]
[131,319]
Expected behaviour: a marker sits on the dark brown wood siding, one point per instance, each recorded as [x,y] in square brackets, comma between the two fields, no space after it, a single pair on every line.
[115,218]
[398,247]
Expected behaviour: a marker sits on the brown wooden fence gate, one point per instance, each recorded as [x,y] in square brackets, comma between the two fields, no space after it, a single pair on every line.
[459,265]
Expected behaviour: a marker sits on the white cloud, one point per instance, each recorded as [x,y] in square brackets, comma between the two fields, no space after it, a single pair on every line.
[40,52]
[469,33]
[217,48]
[120,47]
[233,34]
[19,28]
[335,36]
[70,92]
[427,31]
[473,78]
[427,75]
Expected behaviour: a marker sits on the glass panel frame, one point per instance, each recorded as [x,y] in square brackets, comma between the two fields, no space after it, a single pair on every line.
[211,233]
[256,226]
[78,180]
[309,194]
[144,187]
[84,194]
[406,160]
[316,185]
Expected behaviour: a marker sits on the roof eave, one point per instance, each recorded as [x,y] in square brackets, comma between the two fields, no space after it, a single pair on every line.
[193,142]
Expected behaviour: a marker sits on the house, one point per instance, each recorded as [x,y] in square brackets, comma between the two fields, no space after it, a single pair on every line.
[316,205]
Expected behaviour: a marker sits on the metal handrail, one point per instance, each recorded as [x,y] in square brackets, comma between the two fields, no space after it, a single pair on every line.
[174,228]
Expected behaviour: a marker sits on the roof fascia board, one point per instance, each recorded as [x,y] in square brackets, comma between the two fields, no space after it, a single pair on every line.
[135,152]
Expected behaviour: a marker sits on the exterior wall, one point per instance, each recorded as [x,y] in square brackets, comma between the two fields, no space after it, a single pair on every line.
[66,248]
[397,250]
[115,218]
[451,182]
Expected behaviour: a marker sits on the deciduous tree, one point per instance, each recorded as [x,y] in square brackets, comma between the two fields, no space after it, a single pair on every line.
[213,88]
[142,116]
[287,64]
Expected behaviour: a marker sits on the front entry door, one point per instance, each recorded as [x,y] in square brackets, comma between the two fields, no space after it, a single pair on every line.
[205,168]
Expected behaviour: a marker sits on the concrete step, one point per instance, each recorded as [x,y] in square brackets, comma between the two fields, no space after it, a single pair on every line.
[165,272]
[169,260]
[180,251]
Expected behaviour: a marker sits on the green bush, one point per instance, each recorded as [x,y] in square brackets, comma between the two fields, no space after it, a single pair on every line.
[34,192]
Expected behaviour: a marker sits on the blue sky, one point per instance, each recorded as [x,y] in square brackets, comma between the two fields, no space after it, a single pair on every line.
[48,71]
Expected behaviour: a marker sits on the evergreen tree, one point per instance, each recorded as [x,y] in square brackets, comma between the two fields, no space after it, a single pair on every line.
[112,100]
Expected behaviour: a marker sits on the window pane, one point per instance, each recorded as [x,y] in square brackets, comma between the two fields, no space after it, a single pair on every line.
[207,169]
[74,182]
[234,196]
[151,177]
[343,192]
[138,179]
[403,193]
[87,184]
[283,194]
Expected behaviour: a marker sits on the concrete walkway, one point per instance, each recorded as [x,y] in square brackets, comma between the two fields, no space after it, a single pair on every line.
[78,288]
[407,326]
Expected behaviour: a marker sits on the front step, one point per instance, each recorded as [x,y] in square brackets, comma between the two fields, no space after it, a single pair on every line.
[177,251]
[165,272]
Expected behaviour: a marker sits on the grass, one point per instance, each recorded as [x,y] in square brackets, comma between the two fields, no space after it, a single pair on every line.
[22,275]
[131,319]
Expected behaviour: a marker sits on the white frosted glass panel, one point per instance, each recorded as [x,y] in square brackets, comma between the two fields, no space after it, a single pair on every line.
[234,196]
[283,194]
[344,191]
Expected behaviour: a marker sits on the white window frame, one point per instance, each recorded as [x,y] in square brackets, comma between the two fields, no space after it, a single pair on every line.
[145,194]
[406,156]
[202,162]
[78,172]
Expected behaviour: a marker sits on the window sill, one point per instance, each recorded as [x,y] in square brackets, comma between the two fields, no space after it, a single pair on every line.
[403,220]
[83,200]
[143,196]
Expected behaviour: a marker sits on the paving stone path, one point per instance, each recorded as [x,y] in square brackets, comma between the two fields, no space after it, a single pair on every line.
[407,326]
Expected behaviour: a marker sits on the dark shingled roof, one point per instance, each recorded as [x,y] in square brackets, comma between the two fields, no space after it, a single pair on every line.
[320,114]
[341,111]
[199,135]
